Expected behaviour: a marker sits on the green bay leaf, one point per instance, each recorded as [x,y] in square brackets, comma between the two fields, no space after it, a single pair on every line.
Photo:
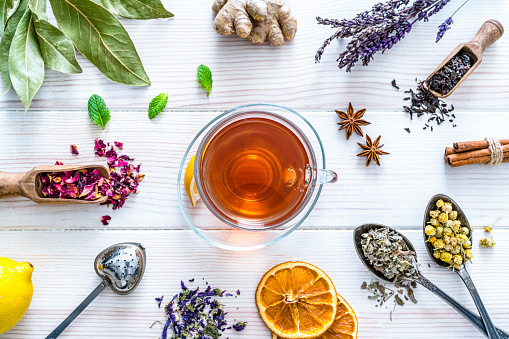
[57,50]
[6,6]
[5,43]
[26,66]
[102,39]
[38,7]
[136,9]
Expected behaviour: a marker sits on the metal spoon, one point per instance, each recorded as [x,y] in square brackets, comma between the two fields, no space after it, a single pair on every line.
[462,272]
[29,184]
[121,267]
[465,312]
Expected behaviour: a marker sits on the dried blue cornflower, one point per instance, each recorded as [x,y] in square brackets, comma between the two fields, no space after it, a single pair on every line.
[378,29]
[159,301]
[239,326]
[195,314]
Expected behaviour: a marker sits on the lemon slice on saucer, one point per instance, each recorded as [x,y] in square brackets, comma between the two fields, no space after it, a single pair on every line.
[189,183]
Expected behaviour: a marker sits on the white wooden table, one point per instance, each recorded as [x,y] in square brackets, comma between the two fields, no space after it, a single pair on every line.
[62,241]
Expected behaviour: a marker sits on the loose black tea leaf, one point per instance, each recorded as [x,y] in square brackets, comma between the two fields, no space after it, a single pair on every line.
[424,102]
[444,80]
[393,83]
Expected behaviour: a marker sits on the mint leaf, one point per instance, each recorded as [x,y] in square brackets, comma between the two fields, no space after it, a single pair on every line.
[205,78]
[157,105]
[97,110]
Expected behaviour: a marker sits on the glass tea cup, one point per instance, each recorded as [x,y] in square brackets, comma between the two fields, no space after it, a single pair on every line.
[257,168]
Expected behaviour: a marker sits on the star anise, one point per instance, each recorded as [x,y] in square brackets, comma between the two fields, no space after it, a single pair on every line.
[352,121]
[372,150]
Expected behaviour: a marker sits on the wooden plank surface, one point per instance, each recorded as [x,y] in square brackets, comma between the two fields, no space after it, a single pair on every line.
[394,194]
[62,241]
[171,50]
[64,275]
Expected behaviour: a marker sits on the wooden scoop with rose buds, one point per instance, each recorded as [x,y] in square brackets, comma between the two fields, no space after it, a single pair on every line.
[489,32]
[30,184]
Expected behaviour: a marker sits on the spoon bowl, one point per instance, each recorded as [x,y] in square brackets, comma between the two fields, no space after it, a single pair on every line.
[122,265]
[461,217]
[357,237]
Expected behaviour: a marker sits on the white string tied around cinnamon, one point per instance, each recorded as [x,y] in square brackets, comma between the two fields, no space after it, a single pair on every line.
[496,150]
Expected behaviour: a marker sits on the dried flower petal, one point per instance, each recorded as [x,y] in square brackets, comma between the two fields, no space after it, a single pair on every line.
[106,220]
[74,149]
[90,185]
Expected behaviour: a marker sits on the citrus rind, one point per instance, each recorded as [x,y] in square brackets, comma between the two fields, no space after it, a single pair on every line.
[296,300]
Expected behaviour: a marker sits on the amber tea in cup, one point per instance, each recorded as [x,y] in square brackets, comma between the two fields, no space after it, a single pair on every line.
[255,169]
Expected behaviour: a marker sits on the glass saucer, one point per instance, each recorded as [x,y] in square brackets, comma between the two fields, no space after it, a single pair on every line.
[206,225]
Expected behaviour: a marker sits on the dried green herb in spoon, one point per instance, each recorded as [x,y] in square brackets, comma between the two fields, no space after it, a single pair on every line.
[389,254]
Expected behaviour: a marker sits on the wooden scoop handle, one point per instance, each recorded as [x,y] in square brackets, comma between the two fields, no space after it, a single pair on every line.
[489,32]
[10,185]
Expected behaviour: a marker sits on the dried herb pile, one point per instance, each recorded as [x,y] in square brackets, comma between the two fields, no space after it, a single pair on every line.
[90,185]
[124,176]
[382,294]
[444,80]
[86,183]
[423,102]
[389,254]
[197,314]
[451,241]
[30,42]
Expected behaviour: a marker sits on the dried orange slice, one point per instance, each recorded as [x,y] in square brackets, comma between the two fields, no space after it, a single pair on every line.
[345,324]
[296,300]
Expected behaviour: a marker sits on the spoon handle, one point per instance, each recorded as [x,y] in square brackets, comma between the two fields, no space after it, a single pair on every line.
[489,32]
[490,327]
[10,184]
[469,315]
[57,331]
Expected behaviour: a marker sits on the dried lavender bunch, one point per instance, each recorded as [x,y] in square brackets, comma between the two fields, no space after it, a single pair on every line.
[378,29]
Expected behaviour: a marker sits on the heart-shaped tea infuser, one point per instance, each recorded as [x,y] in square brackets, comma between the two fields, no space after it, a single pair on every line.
[121,267]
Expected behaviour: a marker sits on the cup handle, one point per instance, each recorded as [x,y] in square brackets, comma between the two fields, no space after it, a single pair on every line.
[326,176]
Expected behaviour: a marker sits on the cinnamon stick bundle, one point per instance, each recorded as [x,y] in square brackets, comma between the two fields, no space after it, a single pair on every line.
[473,152]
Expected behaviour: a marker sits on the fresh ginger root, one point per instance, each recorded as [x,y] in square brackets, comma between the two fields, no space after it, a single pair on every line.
[257,20]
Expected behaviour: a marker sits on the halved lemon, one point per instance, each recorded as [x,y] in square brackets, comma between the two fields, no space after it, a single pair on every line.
[189,183]
[296,300]
[345,325]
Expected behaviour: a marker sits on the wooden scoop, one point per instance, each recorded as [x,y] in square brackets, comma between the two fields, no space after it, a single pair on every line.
[29,184]
[489,32]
